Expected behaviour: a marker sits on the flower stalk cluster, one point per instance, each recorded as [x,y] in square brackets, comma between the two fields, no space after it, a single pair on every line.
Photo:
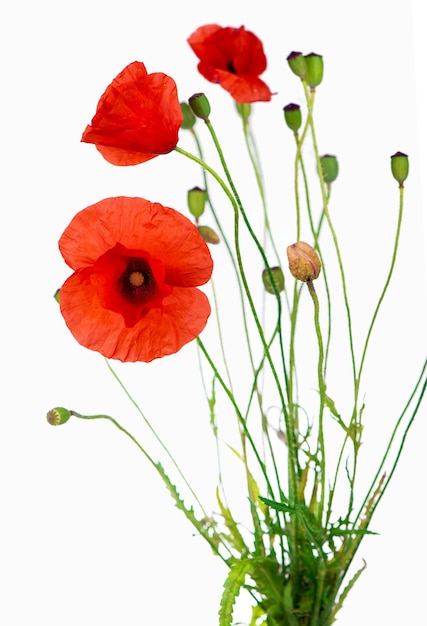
[134,295]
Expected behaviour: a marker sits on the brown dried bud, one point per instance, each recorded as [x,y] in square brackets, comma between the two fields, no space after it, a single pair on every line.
[304,262]
[208,234]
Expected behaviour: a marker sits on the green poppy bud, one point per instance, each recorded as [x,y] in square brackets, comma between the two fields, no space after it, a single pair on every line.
[314,73]
[188,117]
[244,109]
[278,279]
[400,167]
[208,234]
[297,63]
[200,106]
[304,262]
[56,295]
[58,416]
[329,164]
[196,200]
[293,116]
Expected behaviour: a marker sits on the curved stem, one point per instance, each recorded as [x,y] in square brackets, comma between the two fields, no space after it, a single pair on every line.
[310,102]
[155,434]
[212,541]
[386,285]
[238,413]
[238,208]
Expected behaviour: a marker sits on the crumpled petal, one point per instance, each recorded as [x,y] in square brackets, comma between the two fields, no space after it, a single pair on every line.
[137,118]
[234,58]
[157,243]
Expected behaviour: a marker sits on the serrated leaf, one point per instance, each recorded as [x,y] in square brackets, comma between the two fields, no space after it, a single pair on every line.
[213,539]
[232,585]
[346,591]
[309,522]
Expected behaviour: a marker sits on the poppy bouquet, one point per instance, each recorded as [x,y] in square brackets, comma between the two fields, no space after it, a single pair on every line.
[143,286]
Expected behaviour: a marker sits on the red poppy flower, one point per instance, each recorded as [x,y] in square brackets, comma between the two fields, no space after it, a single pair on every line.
[233,57]
[138,117]
[133,294]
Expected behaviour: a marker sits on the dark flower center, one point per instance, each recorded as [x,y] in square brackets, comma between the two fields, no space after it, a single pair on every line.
[137,284]
[231,68]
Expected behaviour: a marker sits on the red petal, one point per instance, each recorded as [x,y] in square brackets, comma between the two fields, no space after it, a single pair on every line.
[118,156]
[241,88]
[138,224]
[138,114]
[233,57]
[161,331]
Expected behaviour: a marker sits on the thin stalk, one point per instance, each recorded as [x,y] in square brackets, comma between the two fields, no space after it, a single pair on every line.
[220,337]
[322,393]
[239,209]
[159,469]
[252,307]
[386,285]
[252,151]
[156,436]
[238,413]
[236,204]
[393,435]
[310,102]
[377,494]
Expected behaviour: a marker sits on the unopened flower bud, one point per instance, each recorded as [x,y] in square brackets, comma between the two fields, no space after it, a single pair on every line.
[278,279]
[208,234]
[188,117]
[293,117]
[329,164]
[400,167]
[297,63]
[58,416]
[196,200]
[200,106]
[304,262]
[244,109]
[314,73]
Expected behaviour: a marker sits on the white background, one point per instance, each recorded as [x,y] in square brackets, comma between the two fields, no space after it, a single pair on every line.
[88,534]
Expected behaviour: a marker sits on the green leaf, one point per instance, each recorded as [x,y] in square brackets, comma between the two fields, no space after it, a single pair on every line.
[236,539]
[213,539]
[232,585]
[346,591]
[308,521]
[334,412]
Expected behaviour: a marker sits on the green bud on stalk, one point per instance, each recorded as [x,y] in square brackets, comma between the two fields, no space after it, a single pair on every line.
[293,116]
[297,63]
[278,279]
[244,109]
[189,119]
[200,106]
[314,73]
[400,167]
[58,416]
[196,200]
[329,165]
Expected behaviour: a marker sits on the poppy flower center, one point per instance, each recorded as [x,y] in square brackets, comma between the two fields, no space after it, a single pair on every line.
[136,279]
[231,68]
[137,284]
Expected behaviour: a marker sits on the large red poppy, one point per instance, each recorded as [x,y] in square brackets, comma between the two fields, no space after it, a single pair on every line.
[133,294]
[233,57]
[138,117]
